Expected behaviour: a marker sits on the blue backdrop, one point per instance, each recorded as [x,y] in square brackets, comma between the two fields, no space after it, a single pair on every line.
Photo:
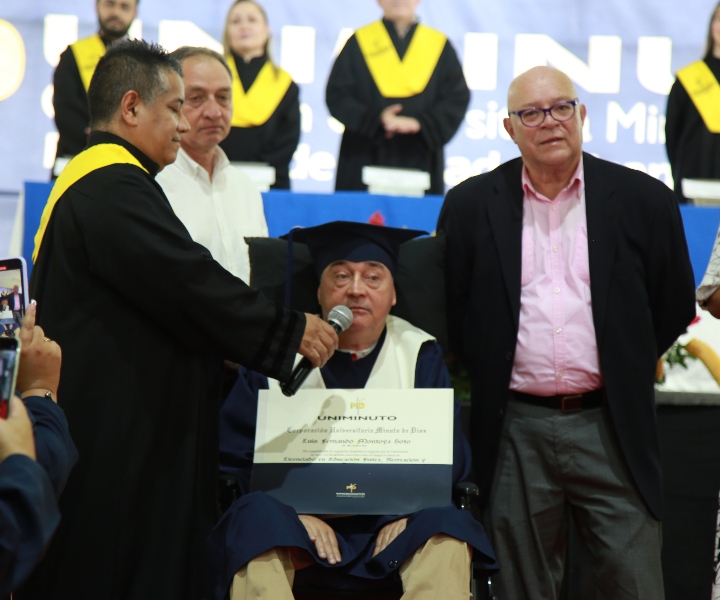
[285,210]
[621,55]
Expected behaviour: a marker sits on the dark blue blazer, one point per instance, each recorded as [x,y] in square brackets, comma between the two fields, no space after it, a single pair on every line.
[29,490]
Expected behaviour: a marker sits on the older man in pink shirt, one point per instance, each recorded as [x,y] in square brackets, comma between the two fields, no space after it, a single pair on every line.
[567,278]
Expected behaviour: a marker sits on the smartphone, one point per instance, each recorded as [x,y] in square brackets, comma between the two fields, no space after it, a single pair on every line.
[9,352]
[13,291]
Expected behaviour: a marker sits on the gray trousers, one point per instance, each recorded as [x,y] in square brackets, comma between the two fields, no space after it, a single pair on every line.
[552,466]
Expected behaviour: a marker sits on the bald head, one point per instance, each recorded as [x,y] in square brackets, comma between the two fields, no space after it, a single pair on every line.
[529,84]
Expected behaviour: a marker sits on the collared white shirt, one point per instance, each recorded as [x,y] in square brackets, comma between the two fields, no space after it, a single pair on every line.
[218,214]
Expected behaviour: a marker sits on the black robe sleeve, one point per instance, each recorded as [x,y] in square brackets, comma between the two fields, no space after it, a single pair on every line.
[136,245]
[346,92]
[439,122]
[675,121]
[279,148]
[72,116]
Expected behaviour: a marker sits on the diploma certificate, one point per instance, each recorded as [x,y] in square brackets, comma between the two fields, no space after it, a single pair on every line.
[355,451]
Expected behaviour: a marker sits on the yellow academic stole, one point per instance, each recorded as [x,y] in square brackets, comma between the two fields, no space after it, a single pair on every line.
[704,90]
[95,157]
[259,103]
[87,53]
[397,78]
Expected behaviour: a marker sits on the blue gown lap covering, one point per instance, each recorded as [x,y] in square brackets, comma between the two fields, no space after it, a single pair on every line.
[257,522]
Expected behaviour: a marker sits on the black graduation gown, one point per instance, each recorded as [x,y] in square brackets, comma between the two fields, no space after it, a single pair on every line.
[353,99]
[257,522]
[693,151]
[274,142]
[114,278]
[72,116]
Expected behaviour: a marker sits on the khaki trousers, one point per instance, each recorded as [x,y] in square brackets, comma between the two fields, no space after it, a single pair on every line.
[438,569]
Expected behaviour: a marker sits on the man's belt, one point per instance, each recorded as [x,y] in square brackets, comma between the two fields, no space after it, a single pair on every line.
[567,404]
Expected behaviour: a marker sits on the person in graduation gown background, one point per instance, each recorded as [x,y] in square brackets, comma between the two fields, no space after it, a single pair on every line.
[692,120]
[266,101]
[74,71]
[254,546]
[398,88]
[141,373]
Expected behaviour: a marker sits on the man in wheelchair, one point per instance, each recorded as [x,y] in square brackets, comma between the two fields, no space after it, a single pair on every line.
[259,543]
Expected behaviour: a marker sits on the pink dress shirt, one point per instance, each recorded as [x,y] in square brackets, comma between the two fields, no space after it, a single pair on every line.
[556,350]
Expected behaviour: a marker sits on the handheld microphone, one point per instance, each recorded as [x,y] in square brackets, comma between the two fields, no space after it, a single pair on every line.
[340,318]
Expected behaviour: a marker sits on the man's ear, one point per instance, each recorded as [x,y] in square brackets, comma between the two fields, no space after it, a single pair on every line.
[129,107]
[507,123]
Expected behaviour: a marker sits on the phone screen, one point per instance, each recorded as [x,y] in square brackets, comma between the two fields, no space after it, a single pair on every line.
[13,295]
[8,372]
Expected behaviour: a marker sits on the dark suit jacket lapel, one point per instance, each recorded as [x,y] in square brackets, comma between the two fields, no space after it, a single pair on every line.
[505,214]
[602,227]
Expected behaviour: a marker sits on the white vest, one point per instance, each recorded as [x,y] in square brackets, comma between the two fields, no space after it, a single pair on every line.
[395,365]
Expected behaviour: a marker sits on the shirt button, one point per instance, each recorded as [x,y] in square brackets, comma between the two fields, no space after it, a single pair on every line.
[557,290]
[558,330]
[509,355]
[500,413]
[554,207]
[554,248]
[559,375]
[393,564]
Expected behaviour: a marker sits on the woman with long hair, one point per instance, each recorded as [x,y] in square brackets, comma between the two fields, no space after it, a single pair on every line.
[266,106]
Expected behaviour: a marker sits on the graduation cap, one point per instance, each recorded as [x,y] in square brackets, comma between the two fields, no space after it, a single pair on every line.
[354,242]
[419,271]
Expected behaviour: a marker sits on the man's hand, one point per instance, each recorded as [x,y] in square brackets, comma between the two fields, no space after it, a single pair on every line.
[40,359]
[394,123]
[324,538]
[319,341]
[388,534]
[16,433]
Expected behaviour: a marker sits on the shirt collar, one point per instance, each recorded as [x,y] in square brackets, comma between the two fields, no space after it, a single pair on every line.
[192,167]
[577,181]
[105,137]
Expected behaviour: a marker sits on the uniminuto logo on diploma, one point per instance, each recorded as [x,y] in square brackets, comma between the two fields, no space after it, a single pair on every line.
[350,492]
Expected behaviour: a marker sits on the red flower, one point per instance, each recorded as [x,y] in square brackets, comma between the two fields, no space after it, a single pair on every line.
[377,218]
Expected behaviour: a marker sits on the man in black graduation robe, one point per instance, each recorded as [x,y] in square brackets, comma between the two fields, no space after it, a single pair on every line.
[377,133]
[70,101]
[144,315]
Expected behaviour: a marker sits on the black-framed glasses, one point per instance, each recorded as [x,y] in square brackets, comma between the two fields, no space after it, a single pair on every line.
[534,117]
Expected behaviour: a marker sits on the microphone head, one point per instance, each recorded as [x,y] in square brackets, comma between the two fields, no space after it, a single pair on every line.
[341,316]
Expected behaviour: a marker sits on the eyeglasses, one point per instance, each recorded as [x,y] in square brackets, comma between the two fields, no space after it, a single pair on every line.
[534,117]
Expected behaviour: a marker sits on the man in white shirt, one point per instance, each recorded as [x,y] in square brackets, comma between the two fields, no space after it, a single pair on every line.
[217,203]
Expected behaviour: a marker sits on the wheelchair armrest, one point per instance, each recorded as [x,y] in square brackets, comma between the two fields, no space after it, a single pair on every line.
[464,494]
